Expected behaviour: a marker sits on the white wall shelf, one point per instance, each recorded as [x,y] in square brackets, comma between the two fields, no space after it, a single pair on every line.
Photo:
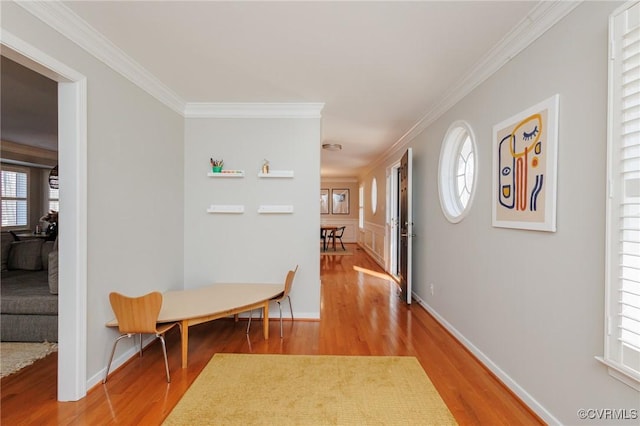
[277,174]
[273,209]
[226,209]
[227,174]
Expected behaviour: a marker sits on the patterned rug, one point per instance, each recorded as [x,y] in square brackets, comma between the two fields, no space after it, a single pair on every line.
[14,356]
[244,389]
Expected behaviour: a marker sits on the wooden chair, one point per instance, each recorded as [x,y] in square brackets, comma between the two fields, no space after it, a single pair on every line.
[138,315]
[288,283]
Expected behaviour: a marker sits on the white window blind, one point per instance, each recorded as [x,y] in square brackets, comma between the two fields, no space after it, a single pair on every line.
[622,340]
[14,197]
[54,199]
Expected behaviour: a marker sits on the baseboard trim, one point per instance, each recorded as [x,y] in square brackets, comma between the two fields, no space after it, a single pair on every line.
[491,366]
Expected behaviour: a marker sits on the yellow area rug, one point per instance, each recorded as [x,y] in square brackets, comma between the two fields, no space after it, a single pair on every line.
[242,389]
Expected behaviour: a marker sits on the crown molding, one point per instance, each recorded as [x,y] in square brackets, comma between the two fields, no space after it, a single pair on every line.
[66,22]
[541,18]
[253,110]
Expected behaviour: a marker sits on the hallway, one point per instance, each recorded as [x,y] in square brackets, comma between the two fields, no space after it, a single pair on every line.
[360,315]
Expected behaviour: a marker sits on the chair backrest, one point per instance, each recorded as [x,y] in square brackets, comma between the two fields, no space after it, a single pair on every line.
[136,314]
[340,231]
[288,282]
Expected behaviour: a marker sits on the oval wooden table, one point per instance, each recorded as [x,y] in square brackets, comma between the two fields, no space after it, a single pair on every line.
[199,305]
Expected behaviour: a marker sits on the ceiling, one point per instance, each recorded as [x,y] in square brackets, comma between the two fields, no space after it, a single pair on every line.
[28,107]
[379,67]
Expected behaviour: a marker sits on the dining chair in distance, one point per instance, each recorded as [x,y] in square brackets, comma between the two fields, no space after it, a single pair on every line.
[323,239]
[288,283]
[338,233]
[138,315]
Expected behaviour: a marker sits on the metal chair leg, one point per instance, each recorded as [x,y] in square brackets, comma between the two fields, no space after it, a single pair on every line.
[290,310]
[280,308]
[164,351]
[249,324]
[113,351]
[290,307]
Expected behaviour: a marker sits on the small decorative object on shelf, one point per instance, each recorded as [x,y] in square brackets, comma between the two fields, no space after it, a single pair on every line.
[216,165]
[265,167]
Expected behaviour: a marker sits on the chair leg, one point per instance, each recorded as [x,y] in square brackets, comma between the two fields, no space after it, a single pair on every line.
[113,351]
[290,307]
[249,324]
[342,244]
[164,351]
[280,307]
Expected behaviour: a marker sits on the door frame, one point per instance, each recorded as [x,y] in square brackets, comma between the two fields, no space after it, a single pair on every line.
[72,160]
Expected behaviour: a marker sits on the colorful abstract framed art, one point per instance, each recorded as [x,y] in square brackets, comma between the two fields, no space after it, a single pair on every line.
[525,162]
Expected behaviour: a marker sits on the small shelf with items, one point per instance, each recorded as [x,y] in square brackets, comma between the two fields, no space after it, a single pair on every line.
[275,209]
[276,174]
[227,174]
[226,209]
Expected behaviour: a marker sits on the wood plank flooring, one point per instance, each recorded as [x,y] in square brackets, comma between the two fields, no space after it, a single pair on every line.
[360,315]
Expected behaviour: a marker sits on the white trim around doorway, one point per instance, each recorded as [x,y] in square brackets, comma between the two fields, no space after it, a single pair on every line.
[72,157]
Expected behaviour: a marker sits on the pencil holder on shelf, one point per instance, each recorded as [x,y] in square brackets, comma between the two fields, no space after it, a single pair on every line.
[216,165]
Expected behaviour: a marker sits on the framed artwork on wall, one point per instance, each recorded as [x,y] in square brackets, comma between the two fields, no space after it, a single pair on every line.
[324,201]
[340,201]
[525,161]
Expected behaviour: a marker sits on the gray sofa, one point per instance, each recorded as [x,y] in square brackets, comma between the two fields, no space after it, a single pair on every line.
[29,290]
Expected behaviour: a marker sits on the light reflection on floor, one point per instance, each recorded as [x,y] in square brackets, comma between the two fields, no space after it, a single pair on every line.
[373,273]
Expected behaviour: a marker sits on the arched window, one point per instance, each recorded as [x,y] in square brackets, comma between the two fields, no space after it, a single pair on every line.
[457,174]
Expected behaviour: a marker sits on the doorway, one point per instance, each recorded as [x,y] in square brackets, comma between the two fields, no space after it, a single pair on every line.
[72,152]
[400,223]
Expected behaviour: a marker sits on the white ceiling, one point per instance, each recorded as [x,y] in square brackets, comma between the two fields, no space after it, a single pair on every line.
[379,67]
[28,106]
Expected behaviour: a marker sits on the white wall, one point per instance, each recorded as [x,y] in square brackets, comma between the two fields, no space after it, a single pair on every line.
[135,184]
[531,304]
[252,247]
[373,236]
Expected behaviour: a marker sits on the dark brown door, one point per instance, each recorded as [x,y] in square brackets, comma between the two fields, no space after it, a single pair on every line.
[405,226]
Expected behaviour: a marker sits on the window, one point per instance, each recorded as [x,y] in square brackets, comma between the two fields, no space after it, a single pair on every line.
[457,175]
[54,199]
[361,207]
[14,196]
[622,310]
[374,195]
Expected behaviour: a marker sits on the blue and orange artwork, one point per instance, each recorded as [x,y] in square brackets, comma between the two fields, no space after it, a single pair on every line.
[521,169]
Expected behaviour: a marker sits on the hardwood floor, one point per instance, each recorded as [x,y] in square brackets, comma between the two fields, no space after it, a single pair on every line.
[360,315]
